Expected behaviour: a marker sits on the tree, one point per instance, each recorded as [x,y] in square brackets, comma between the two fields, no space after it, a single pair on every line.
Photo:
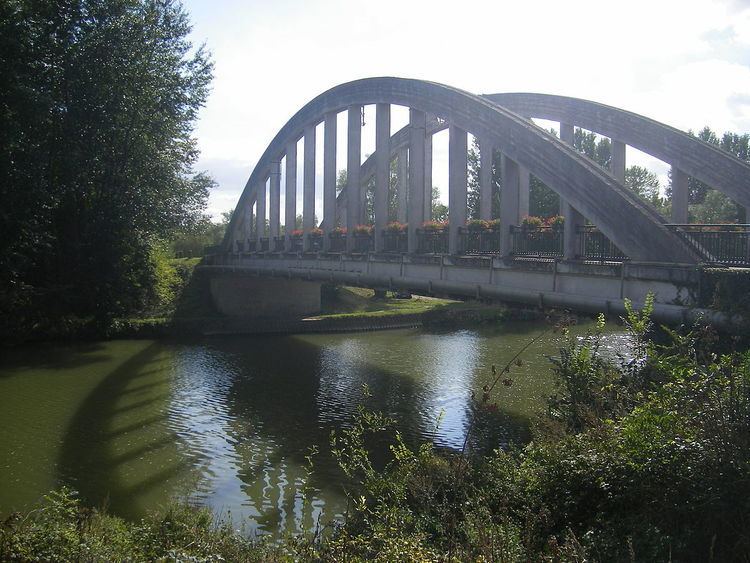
[598,149]
[97,107]
[439,210]
[717,206]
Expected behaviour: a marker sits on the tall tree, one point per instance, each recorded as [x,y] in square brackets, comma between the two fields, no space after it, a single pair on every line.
[98,105]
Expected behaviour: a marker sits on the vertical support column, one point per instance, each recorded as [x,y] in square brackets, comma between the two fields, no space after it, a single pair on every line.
[290,193]
[260,212]
[382,170]
[274,208]
[679,196]
[250,224]
[573,219]
[308,186]
[353,167]
[457,172]
[427,177]
[524,180]
[329,177]
[417,124]
[402,184]
[486,153]
[618,160]
[509,203]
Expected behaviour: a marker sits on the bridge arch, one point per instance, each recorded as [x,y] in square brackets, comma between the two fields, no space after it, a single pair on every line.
[631,224]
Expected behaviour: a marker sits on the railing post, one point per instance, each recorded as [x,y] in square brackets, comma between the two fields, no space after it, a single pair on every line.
[573,219]
[508,203]
[353,165]
[382,171]
[486,152]
[418,124]
[457,145]
[308,187]
[679,196]
[290,193]
[329,177]
[274,207]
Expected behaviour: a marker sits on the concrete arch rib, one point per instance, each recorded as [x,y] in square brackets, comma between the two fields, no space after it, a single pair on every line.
[618,213]
[696,158]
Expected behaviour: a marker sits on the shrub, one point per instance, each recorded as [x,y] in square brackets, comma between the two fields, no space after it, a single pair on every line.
[477,225]
[532,222]
[434,225]
[363,230]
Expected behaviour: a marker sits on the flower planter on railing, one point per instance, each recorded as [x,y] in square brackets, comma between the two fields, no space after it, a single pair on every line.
[432,240]
[594,245]
[725,244]
[542,241]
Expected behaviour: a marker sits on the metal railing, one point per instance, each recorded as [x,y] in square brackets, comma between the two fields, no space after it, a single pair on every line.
[722,243]
[479,242]
[363,242]
[432,242]
[395,241]
[278,244]
[263,244]
[594,245]
[337,242]
[295,243]
[537,241]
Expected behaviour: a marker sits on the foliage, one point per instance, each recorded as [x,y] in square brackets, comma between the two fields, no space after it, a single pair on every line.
[98,104]
[61,529]
[363,230]
[478,225]
[396,227]
[532,222]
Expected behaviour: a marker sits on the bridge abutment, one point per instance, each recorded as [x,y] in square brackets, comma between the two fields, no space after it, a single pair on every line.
[242,295]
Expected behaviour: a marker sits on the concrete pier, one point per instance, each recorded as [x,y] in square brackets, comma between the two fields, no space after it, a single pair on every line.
[274,203]
[308,186]
[290,193]
[418,124]
[486,157]
[679,196]
[329,176]
[382,170]
[353,166]
[457,175]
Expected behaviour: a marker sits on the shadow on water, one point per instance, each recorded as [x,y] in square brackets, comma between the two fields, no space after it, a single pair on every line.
[100,443]
[31,358]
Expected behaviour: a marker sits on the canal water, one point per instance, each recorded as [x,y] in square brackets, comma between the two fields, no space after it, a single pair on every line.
[229,422]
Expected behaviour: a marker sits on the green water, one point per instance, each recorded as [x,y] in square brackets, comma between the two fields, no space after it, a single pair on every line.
[228,422]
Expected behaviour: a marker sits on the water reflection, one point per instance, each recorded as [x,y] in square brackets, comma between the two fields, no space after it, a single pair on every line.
[228,423]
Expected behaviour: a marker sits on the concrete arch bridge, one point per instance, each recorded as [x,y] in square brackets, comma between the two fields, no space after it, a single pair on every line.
[611,246]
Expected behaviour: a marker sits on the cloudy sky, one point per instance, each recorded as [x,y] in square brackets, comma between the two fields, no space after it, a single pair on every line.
[685,63]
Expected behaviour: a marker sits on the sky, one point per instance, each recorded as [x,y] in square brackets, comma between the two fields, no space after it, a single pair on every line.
[685,63]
